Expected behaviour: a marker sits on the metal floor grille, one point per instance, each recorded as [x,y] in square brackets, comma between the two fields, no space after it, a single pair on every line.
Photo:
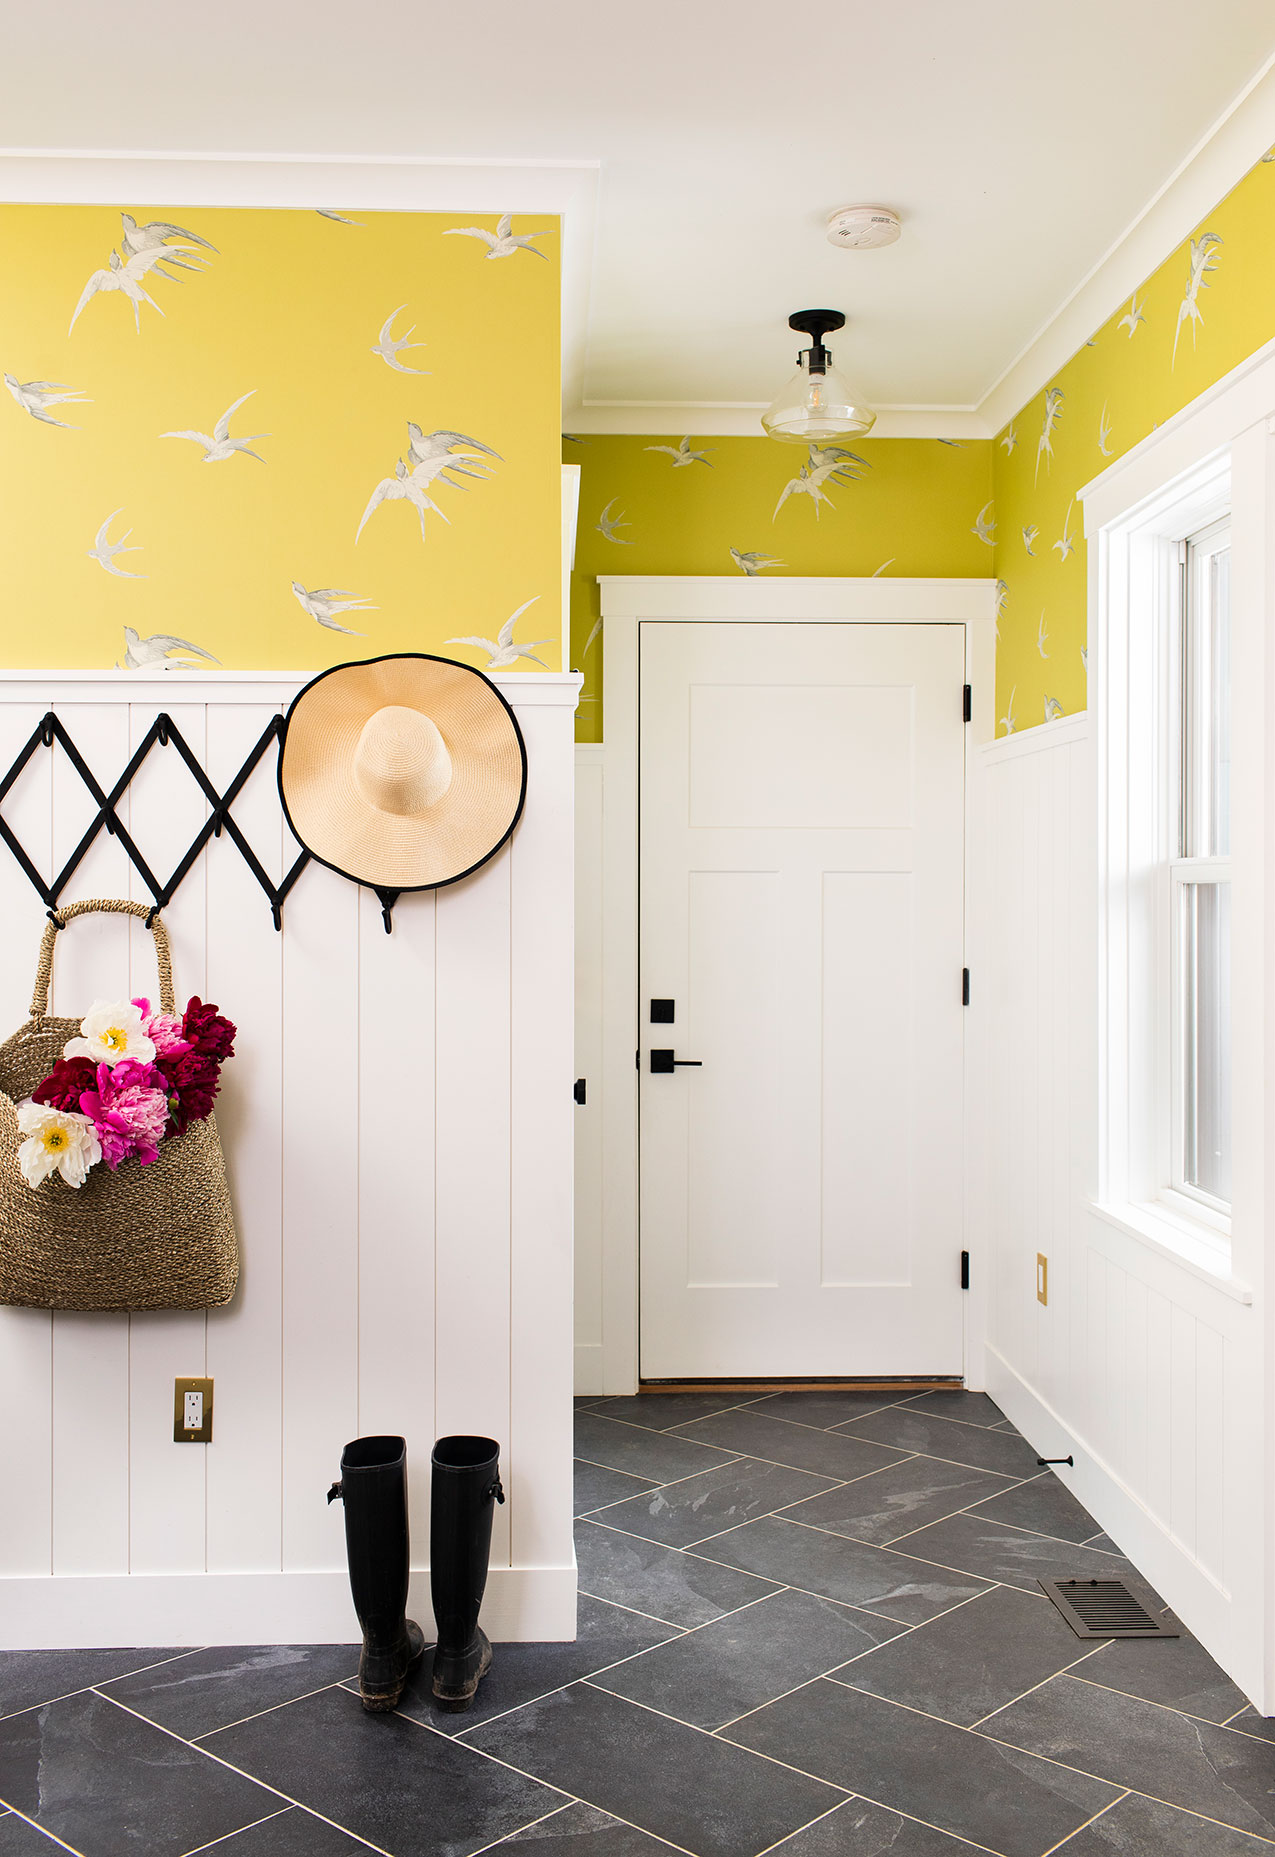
[1105,1609]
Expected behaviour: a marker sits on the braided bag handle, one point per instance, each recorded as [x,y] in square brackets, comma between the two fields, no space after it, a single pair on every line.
[59,918]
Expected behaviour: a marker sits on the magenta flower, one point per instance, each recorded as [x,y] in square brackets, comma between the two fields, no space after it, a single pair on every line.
[129,1111]
[164,1029]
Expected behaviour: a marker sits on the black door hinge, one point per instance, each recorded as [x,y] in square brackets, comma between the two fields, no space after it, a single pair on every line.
[965,1270]
[969,702]
[965,986]
[578,1091]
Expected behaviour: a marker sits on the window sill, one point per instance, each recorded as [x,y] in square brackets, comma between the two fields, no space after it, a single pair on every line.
[1194,1248]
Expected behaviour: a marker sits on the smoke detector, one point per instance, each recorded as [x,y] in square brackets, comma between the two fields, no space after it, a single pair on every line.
[863,228]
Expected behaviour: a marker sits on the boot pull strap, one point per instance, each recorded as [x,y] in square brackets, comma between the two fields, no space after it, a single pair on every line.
[496,1489]
[337,1490]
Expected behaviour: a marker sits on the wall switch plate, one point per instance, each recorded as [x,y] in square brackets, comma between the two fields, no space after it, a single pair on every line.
[1042,1277]
[192,1411]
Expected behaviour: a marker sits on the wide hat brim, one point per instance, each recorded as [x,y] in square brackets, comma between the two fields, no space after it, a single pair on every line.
[421,850]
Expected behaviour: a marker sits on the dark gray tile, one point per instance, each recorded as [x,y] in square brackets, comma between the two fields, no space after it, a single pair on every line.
[992,1795]
[973,1660]
[823,1409]
[292,1833]
[584,1400]
[679,1784]
[905,1428]
[898,1500]
[661,1411]
[825,1453]
[711,1676]
[642,1453]
[657,1580]
[1175,1671]
[385,1778]
[521,1672]
[858,1829]
[595,1486]
[1017,1558]
[1006,1426]
[1173,1757]
[1138,1827]
[682,1513]
[31,1677]
[18,1839]
[1104,1543]
[583,1831]
[969,1408]
[107,1783]
[880,1580]
[223,1684]
[1044,1505]
[1248,1721]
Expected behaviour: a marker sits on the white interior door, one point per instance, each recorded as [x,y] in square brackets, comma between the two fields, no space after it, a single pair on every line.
[802,881]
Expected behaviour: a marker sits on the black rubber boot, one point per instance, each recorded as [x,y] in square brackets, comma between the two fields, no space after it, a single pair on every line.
[466,1484]
[374,1489]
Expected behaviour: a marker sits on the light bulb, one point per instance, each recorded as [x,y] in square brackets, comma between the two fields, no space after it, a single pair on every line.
[815,406]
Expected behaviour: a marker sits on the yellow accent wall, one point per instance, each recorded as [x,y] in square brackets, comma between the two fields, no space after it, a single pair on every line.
[901,506]
[285,307]
[1207,307]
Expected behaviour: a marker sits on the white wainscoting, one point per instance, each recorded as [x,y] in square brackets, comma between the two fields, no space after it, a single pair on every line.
[398,1128]
[1143,1369]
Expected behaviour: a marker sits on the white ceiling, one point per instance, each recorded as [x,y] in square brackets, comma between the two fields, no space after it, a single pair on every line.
[1018,141]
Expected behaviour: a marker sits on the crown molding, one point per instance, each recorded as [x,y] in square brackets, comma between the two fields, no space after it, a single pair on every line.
[715,419]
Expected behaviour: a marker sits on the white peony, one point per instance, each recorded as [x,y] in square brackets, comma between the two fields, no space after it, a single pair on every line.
[58,1142]
[111,1033]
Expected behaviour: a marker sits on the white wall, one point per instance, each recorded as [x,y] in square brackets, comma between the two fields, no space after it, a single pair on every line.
[397,1124]
[1148,1372]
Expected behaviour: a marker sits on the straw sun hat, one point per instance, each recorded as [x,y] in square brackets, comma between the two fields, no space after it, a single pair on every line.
[402,772]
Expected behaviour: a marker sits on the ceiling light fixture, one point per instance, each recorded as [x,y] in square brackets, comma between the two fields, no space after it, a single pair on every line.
[818,403]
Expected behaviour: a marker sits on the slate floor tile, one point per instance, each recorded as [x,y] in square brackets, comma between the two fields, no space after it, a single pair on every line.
[213,1687]
[801,1447]
[385,1778]
[906,1428]
[969,1408]
[1104,1542]
[822,1409]
[292,1833]
[641,1452]
[948,1778]
[880,1508]
[691,1788]
[1138,1827]
[858,1829]
[31,1677]
[710,1677]
[107,1783]
[1175,1671]
[880,1580]
[1044,1505]
[1009,1554]
[596,1486]
[662,1411]
[18,1839]
[1248,1721]
[1188,1763]
[583,1831]
[521,1672]
[972,1660]
[678,1588]
[681,1513]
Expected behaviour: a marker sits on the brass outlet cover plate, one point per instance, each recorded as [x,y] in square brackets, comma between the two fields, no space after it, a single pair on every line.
[182,1433]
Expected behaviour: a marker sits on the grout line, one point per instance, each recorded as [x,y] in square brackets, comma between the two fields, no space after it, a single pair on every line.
[1170,1707]
[1064,1670]
[581,1593]
[123,1674]
[957,1838]
[1063,1842]
[195,1849]
[43,1830]
[971,1508]
[663,1431]
[286,1702]
[859,1605]
[655,1487]
[735,1457]
[543,1819]
[780,1842]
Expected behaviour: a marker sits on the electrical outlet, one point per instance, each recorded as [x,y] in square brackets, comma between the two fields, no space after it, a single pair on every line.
[192,1412]
[1042,1277]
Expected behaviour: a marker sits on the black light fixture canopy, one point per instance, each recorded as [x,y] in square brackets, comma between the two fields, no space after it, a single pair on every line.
[816,323]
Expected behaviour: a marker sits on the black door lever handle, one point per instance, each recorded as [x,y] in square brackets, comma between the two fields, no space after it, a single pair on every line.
[663,1063]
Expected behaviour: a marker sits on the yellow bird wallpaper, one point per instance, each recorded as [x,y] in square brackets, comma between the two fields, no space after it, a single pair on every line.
[275,440]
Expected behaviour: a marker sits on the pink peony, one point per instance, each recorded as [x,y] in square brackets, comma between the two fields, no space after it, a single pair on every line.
[164,1029]
[128,1110]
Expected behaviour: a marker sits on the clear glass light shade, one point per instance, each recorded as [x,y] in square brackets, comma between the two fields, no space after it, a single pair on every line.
[815,407]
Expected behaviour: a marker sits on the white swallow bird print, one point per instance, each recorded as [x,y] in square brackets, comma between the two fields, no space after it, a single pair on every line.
[1084,658]
[448,451]
[607,524]
[1009,439]
[1104,432]
[1132,316]
[1002,594]
[878,571]
[159,648]
[1007,720]
[681,453]
[324,603]
[1053,411]
[104,551]
[847,466]
[403,487]
[1066,542]
[340,219]
[158,232]
[1204,260]
[502,648]
[125,277]
[593,638]
[218,444]
[1029,535]
[1053,709]
[985,526]
[389,346]
[809,483]
[1042,637]
[752,563]
[37,396]
[503,242]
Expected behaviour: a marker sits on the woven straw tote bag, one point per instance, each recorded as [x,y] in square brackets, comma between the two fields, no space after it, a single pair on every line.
[155,1237]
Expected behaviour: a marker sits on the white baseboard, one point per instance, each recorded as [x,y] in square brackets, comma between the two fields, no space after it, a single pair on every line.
[589,1369]
[522,1605]
[1180,1580]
